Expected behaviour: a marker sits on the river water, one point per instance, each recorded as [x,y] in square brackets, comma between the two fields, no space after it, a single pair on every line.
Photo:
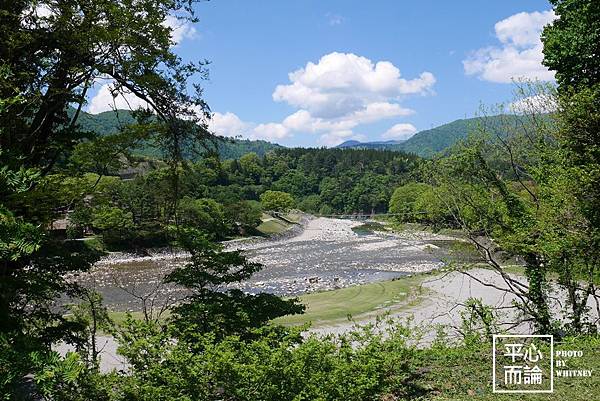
[326,254]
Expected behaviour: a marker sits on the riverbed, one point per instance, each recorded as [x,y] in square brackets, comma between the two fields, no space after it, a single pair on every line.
[323,254]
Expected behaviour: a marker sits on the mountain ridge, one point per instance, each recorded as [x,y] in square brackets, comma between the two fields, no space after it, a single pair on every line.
[427,143]
[108,122]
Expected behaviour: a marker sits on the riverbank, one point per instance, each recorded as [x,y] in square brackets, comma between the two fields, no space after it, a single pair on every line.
[317,254]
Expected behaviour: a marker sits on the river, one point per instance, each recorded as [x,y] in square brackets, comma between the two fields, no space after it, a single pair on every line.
[325,254]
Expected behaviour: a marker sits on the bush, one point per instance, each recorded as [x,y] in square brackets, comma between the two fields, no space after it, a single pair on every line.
[357,366]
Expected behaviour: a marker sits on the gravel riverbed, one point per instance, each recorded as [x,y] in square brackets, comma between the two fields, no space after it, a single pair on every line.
[321,254]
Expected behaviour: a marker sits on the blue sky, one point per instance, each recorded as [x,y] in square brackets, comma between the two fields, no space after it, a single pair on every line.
[381,69]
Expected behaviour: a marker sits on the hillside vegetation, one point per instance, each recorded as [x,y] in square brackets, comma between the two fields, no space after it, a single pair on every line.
[429,142]
[109,122]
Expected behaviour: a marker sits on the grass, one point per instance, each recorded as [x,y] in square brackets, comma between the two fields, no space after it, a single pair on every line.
[336,305]
[295,217]
[272,226]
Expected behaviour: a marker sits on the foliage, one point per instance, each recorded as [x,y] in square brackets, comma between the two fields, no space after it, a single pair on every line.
[310,204]
[51,53]
[522,193]
[92,317]
[572,43]
[212,307]
[403,200]
[246,214]
[357,366]
[205,215]
[115,224]
[277,201]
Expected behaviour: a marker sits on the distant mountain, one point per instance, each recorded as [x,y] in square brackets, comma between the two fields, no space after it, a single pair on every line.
[109,122]
[349,144]
[369,145]
[429,142]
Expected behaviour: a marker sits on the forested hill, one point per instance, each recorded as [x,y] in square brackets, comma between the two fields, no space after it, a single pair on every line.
[424,143]
[429,142]
[108,122]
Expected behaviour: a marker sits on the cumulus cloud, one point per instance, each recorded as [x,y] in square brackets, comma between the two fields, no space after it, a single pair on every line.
[180,29]
[228,124]
[401,131]
[270,131]
[541,103]
[519,54]
[332,97]
[342,83]
[304,121]
[105,100]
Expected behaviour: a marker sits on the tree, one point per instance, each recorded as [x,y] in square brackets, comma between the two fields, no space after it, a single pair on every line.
[212,307]
[205,215]
[572,43]
[296,183]
[277,201]
[251,168]
[246,214]
[92,316]
[403,200]
[115,225]
[310,204]
[51,53]
[571,46]
[513,190]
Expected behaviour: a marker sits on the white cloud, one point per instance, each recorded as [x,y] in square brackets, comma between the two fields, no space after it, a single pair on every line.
[523,29]
[541,103]
[227,124]
[333,97]
[180,29]
[399,132]
[342,83]
[334,138]
[269,131]
[303,121]
[104,100]
[519,55]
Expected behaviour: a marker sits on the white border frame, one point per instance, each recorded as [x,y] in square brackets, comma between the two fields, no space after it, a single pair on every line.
[495,336]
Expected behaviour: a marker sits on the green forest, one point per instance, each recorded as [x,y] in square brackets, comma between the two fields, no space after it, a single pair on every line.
[76,186]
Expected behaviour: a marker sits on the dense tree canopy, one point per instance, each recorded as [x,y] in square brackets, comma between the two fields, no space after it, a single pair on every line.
[572,43]
[51,52]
